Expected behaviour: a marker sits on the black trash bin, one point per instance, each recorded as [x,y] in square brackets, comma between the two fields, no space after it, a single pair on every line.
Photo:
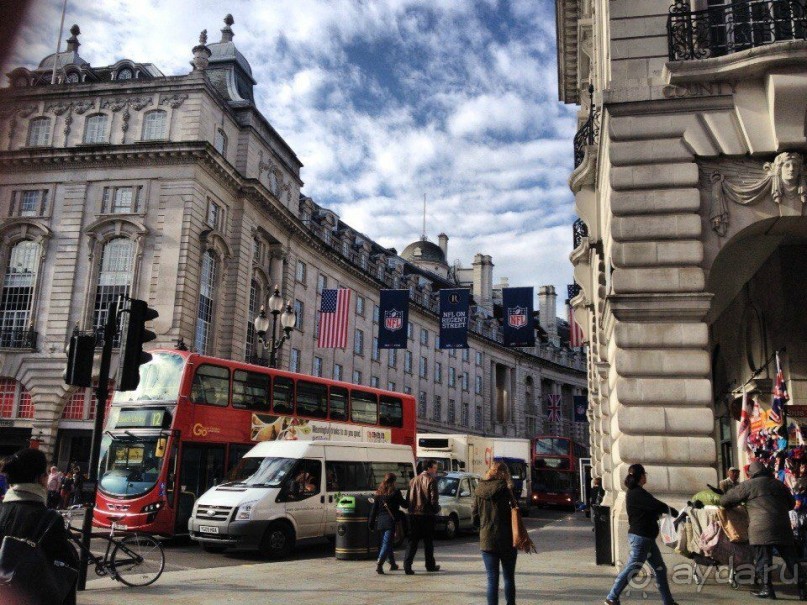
[602,535]
[354,539]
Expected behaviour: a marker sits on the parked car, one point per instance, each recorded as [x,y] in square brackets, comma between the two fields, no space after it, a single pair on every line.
[456,491]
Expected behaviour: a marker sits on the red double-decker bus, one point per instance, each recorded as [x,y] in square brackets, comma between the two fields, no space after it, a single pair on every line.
[555,471]
[193,417]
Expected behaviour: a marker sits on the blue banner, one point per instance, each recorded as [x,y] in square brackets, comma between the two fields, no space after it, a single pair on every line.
[519,330]
[454,307]
[393,317]
[580,408]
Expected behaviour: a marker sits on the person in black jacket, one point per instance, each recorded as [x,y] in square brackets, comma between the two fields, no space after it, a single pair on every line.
[386,512]
[24,506]
[643,514]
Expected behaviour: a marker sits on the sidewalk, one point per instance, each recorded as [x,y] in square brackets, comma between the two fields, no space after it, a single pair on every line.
[562,572]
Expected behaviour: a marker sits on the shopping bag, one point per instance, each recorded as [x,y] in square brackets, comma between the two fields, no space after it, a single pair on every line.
[667,530]
[734,522]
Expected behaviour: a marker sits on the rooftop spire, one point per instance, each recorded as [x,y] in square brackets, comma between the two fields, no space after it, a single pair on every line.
[227,32]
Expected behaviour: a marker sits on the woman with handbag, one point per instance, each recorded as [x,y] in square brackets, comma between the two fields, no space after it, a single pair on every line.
[493,502]
[385,516]
[24,515]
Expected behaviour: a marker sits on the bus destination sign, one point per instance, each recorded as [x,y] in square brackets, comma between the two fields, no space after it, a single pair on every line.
[140,419]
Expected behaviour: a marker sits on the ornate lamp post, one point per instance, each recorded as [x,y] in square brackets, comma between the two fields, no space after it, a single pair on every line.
[288,319]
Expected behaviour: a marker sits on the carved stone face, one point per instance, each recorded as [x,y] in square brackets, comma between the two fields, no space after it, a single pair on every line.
[791,170]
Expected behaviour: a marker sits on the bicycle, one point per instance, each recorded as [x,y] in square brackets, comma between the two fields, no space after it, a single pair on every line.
[134,560]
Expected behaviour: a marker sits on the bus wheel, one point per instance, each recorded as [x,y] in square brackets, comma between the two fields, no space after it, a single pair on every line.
[277,542]
[213,549]
[452,527]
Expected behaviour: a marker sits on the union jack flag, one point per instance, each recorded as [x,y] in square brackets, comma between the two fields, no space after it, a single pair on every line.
[333,317]
[780,396]
[553,408]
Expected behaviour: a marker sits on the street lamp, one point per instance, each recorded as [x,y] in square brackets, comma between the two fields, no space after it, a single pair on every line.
[288,318]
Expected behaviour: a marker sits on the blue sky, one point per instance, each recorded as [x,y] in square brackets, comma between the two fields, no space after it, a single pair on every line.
[385,101]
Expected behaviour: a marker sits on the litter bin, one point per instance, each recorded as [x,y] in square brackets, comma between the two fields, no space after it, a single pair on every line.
[354,539]
[602,535]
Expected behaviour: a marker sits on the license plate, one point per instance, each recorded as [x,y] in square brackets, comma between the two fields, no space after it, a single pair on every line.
[119,526]
[208,529]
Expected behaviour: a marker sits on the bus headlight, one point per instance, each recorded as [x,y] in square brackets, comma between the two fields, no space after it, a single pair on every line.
[152,508]
[245,511]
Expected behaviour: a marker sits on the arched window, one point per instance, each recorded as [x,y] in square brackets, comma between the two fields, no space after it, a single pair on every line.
[220,141]
[114,277]
[39,132]
[95,129]
[254,309]
[18,295]
[204,315]
[125,74]
[154,125]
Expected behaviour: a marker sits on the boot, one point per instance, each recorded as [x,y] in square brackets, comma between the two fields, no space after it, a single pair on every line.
[393,566]
[766,593]
[379,568]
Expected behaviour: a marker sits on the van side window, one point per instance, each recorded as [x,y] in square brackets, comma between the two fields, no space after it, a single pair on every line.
[281,395]
[211,385]
[391,411]
[403,470]
[363,407]
[306,481]
[350,476]
[338,403]
[250,390]
[312,399]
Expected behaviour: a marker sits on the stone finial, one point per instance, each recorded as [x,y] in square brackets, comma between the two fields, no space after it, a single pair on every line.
[201,53]
[72,41]
[227,32]
[203,37]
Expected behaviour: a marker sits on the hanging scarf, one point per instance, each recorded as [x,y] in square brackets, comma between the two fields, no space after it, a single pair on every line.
[26,492]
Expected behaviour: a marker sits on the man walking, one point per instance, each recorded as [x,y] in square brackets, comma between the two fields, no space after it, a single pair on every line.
[424,504]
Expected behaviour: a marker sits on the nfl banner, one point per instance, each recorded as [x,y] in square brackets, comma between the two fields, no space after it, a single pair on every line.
[393,317]
[454,306]
[518,320]
[580,407]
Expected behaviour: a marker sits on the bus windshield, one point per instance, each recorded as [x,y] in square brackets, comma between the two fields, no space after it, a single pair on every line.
[553,481]
[551,446]
[130,466]
[159,380]
[261,472]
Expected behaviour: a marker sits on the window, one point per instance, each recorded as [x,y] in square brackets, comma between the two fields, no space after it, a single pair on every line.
[350,477]
[29,203]
[422,404]
[452,353]
[298,310]
[392,358]
[337,371]
[338,405]
[154,125]
[358,342]
[466,354]
[408,390]
[220,141]
[390,386]
[39,132]
[317,314]
[437,411]
[436,342]
[114,277]
[424,336]
[465,381]
[452,377]
[360,306]
[204,315]
[125,74]
[316,366]
[376,355]
[391,411]
[363,407]
[478,419]
[282,389]
[409,331]
[478,388]
[95,129]
[376,312]
[374,382]
[479,358]
[250,390]
[16,304]
[211,385]
[254,288]
[464,415]
[300,273]
[215,215]
[424,367]
[294,362]
[322,282]
[438,372]
[312,399]
[408,362]
[121,200]
[356,377]
[450,412]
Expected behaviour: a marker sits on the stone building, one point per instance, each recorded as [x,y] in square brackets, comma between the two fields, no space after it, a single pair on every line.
[689,182]
[118,180]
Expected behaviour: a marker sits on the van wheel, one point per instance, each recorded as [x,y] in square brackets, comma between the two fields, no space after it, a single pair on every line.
[452,527]
[277,542]
[213,549]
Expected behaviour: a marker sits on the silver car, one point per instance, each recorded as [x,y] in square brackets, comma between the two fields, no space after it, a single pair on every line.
[456,491]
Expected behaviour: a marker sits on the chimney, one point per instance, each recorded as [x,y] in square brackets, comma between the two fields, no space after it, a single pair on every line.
[483,281]
[547,304]
[443,242]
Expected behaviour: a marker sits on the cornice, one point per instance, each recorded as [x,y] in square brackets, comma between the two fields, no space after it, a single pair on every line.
[585,175]
[658,307]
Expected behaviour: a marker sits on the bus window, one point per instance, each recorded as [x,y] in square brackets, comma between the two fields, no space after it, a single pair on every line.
[250,390]
[281,395]
[211,385]
[312,399]
[363,407]
[338,403]
[391,411]
[551,446]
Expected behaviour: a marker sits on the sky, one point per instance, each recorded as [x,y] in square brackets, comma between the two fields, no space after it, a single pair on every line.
[384,101]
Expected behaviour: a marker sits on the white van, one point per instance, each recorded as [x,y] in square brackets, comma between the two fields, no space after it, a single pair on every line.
[284,491]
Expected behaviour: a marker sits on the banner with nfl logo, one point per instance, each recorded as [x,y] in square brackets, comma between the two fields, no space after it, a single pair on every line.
[454,307]
[393,317]
[518,321]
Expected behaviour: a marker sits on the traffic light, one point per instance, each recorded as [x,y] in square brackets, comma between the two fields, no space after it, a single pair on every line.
[79,360]
[133,316]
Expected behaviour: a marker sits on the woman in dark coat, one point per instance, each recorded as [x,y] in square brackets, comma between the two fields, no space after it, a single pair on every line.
[24,507]
[386,512]
[493,500]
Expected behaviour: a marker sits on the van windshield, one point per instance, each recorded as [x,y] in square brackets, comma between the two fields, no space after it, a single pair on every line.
[261,472]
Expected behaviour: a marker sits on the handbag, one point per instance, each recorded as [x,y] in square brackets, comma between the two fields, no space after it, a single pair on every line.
[26,573]
[521,540]
[400,531]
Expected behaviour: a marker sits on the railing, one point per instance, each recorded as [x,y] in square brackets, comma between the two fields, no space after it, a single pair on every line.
[579,231]
[18,339]
[589,132]
[733,27]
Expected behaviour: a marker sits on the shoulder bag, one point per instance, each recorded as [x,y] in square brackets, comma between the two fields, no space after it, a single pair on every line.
[521,540]
[400,531]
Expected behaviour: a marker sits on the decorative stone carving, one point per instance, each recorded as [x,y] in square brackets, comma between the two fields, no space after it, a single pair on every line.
[81,107]
[173,101]
[68,120]
[113,104]
[27,111]
[136,103]
[58,108]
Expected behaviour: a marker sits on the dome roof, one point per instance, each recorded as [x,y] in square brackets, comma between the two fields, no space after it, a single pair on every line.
[222,52]
[424,251]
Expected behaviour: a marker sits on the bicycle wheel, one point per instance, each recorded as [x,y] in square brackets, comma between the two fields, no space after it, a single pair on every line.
[138,560]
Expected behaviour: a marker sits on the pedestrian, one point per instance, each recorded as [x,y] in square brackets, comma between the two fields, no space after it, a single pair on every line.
[493,501]
[54,483]
[66,489]
[78,486]
[3,486]
[732,480]
[23,509]
[424,504]
[768,502]
[643,514]
[384,516]
[597,492]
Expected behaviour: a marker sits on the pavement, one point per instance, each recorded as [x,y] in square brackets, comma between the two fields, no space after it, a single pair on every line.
[562,572]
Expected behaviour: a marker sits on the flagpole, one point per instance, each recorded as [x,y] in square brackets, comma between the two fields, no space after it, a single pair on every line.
[58,44]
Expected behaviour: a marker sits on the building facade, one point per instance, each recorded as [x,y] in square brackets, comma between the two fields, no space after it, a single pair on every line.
[176,190]
[689,183]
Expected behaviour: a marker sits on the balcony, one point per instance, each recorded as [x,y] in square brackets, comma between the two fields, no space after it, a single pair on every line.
[579,233]
[733,27]
[18,339]
[589,132]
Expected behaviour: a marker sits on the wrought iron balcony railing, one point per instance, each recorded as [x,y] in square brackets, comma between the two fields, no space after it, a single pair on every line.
[589,132]
[732,27]
[18,339]
[579,231]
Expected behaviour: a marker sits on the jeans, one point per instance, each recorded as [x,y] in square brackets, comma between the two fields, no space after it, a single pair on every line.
[420,527]
[386,551]
[763,560]
[508,563]
[641,550]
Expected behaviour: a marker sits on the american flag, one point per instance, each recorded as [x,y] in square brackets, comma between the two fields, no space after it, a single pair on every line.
[553,408]
[333,318]
[780,396]
[575,331]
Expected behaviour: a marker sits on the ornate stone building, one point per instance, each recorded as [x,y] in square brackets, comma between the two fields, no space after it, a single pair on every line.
[177,190]
[689,180]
